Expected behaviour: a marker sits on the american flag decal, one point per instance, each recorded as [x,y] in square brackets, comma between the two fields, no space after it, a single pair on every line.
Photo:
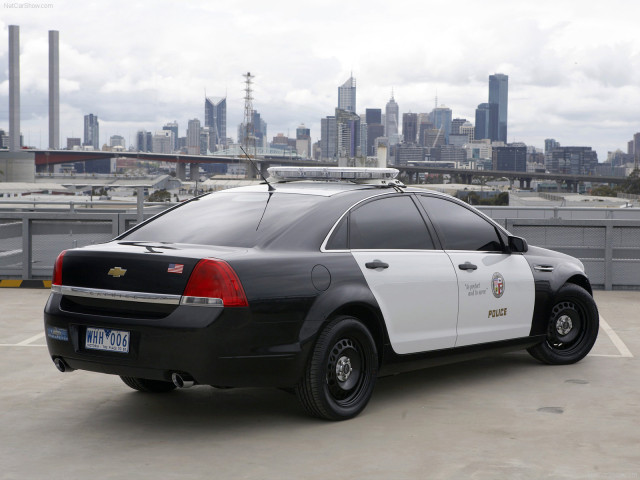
[175,268]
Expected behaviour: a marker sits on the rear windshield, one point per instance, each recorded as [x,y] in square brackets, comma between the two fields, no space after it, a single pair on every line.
[230,219]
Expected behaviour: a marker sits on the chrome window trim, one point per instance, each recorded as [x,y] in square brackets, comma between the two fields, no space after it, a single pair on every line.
[120,295]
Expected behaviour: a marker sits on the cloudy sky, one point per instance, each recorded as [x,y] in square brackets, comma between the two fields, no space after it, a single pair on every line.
[573,66]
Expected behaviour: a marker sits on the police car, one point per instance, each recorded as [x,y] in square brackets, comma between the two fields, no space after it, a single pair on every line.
[319,281]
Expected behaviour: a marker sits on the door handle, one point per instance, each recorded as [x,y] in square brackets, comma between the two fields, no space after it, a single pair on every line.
[467,266]
[376,264]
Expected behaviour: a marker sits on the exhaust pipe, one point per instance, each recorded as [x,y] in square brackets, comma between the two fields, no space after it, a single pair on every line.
[61,365]
[182,380]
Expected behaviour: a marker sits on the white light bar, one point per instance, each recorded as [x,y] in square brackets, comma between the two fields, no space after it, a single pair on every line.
[331,173]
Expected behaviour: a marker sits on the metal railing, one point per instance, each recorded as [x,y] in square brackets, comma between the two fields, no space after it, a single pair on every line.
[607,241]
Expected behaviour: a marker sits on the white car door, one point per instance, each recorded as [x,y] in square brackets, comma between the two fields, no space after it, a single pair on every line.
[415,284]
[495,289]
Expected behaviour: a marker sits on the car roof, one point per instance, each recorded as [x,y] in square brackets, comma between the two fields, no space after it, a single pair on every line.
[309,187]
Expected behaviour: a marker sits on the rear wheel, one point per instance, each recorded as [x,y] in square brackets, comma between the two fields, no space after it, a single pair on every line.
[342,371]
[146,385]
[572,329]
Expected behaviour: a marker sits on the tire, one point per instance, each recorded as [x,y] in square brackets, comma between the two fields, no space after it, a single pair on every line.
[339,379]
[148,386]
[572,329]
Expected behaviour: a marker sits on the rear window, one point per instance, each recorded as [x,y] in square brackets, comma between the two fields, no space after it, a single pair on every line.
[229,219]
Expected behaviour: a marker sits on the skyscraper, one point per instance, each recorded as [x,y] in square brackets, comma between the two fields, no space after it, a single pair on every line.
[487,121]
[391,118]
[328,138]
[409,127]
[173,127]
[91,131]
[499,94]
[347,95]
[441,118]
[193,137]
[215,117]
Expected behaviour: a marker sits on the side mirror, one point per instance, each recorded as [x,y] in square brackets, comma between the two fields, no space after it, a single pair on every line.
[518,244]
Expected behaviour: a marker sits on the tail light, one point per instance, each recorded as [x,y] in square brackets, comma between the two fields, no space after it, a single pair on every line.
[214,283]
[57,270]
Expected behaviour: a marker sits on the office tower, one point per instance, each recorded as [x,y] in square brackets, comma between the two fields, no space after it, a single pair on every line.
[303,141]
[468,129]
[73,142]
[91,131]
[14,88]
[193,137]
[117,141]
[215,117]
[373,116]
[328,138]
[173,127]
[573,161]
[456,123]
[424,124]
[374,131]
[499,94]
[391,120]
[550,144]
[54,90]
[441,118]
[348,133]
[162,142]
[510,158]
[409,127]
[257,131]
[347,95]
[487,121]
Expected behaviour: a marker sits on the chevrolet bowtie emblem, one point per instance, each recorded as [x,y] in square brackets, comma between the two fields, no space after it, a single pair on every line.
[117,272]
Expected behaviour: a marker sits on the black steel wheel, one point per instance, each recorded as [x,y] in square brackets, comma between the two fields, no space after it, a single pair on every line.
[572,329]
[148,386]
[342,371]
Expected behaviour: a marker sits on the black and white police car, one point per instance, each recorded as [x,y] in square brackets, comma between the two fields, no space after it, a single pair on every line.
[315,286]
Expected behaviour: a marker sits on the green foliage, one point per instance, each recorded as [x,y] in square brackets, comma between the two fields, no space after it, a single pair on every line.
[605,191]
[160,196]
[632,183]
[472,198]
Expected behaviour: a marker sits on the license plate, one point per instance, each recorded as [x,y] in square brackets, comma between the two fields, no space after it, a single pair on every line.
[106,339]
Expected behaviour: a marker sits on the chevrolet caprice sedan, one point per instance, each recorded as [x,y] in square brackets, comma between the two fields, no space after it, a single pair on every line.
[318,287]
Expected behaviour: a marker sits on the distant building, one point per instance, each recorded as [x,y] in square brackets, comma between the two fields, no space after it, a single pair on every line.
[434,138]
[450,153]
[486,121]
[510,158]
[441,118]
[409,152]
[391,118]
[550,144]
[257,131]
[328,138]
[373,116]
[91,131]
[424,124]
[573,161]
[469,130]
[141,141]
[456,123]
[117,141]
[347,95]
[193,137]
[74,143]
[163,142]
[374,131]
[348,133]
[173,127]
[303,141]
[410,127]
[499,94]
[215,117]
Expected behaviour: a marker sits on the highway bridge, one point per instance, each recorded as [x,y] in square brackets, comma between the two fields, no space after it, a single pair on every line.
[45,159]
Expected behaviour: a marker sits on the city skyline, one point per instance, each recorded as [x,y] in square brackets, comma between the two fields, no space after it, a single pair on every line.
[572,76]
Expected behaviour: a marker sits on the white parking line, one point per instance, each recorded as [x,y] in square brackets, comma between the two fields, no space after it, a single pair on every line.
[615,339]
[26,343]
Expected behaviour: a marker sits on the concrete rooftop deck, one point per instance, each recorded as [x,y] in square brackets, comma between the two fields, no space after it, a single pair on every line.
[501,417]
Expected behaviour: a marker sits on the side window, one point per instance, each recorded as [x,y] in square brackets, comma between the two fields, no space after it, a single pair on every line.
[461,228]
[340,238]
[388,223]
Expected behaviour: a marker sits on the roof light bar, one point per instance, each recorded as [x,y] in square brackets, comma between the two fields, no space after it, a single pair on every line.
[283,174]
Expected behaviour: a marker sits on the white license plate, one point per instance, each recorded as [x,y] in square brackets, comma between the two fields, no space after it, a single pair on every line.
[107,339]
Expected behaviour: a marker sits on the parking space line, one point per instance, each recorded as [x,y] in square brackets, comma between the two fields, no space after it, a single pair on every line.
[30,340]
[615,339]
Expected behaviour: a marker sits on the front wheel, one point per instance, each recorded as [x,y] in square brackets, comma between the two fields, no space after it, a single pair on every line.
[572,329]
[339,379]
